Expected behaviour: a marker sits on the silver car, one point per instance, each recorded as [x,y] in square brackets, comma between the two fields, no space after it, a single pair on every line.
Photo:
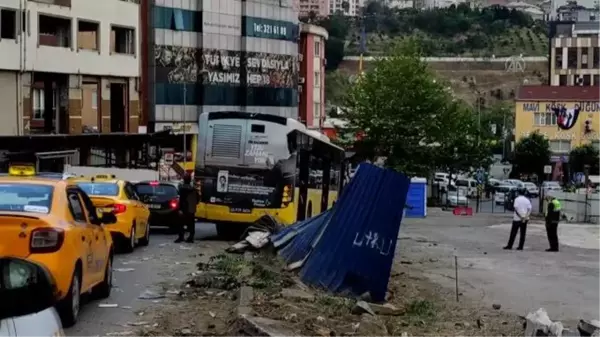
[28,299]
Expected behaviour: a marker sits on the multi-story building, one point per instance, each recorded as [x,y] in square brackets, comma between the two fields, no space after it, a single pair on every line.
[306,8]
[68,66]
[218,56]
[346,7]
[577,124]
[312,75]
[574,53]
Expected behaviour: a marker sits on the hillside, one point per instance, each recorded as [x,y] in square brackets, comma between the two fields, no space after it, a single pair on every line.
[441,32]
[492,82]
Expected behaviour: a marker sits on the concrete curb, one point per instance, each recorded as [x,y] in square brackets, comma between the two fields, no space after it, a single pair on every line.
[245,298]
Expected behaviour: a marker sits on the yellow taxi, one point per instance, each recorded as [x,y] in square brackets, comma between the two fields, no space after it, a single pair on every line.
[54,223]
[119,197]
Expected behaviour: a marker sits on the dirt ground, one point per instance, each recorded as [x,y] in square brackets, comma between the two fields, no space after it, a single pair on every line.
[207,302]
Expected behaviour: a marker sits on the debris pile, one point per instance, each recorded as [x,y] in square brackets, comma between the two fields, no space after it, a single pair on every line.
[539,324]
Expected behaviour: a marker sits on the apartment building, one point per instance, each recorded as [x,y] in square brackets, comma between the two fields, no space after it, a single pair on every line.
[574,53]
[306,8]
[69,67]
[312,75]
[346,7]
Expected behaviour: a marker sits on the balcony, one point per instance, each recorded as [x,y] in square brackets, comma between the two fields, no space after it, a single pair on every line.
[54,31]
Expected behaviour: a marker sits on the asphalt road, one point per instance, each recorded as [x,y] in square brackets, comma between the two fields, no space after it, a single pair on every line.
[163,264]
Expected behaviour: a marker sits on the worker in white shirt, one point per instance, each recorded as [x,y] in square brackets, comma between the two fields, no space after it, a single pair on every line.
[522,207]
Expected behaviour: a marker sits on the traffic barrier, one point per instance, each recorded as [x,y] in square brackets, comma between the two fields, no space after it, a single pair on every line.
[463,210]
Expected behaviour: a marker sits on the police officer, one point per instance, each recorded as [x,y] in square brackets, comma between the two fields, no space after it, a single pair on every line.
[188,199]
[552,219]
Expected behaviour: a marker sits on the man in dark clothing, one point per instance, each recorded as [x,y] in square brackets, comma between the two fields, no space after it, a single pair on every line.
[552,219]
[188,199]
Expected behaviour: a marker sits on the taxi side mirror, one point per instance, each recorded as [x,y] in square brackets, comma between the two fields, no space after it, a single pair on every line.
[108,218]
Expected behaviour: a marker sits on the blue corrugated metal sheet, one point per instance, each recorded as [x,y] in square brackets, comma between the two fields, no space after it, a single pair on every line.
[352,246]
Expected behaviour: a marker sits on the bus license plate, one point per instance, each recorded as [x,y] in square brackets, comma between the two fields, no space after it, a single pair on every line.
[240,210]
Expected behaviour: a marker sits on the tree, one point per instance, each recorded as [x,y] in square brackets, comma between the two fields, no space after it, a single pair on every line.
[531,154]
[584,155]
[411,118]
[336,86]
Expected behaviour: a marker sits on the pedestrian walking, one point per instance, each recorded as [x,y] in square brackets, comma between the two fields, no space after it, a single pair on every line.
[188,200]
[552,219]
[522,211]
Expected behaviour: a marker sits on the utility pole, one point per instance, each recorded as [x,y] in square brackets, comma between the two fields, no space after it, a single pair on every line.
[184,125]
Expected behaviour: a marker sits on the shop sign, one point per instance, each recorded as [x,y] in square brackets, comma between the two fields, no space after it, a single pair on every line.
[261,69]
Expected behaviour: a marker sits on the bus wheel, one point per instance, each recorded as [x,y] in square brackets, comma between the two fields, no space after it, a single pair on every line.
[230,230]
[309,210]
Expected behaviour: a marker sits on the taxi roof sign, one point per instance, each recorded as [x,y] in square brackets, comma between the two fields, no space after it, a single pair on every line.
[21,170]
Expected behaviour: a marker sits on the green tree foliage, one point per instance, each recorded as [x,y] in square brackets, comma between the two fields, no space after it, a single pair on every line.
[336,86]
[584,155]
[448,31]
[494,120]
[410,118]
[531,154]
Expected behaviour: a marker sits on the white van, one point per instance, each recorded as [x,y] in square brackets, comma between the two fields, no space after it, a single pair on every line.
[469,184]
[27,293]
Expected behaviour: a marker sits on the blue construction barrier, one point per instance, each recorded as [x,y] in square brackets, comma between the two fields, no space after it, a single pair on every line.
[351,247]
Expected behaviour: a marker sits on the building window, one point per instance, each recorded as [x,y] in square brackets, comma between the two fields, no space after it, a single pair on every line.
[39,103]
[596,57]
[54,32]
[544,118]
[572,58]
[8,24]
[562,80]
[596,80]
[317,79]
[122,40]
[560,146]
[87,35]
[587,80]
[558,57]
[177,19]
[317,48]
[584,57]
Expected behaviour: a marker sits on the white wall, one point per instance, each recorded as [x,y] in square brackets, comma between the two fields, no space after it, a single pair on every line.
[8,97]
[69,60]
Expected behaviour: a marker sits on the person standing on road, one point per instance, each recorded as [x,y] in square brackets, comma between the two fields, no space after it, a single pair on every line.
[552,219]
[522,211]
[188,199]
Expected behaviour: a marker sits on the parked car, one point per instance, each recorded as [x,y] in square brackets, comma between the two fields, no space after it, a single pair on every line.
[162,199]
[532,190]
[551,186]
[456,196]
[28,298]
[501,193]
[469,184]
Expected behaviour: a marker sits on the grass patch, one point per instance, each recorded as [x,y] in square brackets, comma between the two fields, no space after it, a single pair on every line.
[419,312]
[334,306]
[262,272]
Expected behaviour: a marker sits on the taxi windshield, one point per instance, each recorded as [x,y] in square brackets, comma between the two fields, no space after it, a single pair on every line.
[25,198]
[109,189]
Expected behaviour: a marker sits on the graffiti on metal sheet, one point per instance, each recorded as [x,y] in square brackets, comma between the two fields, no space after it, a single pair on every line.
[372,240]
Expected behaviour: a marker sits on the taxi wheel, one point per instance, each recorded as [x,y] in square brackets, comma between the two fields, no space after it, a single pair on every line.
[68,308]
[103,289]
[129,246]
[146,239]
